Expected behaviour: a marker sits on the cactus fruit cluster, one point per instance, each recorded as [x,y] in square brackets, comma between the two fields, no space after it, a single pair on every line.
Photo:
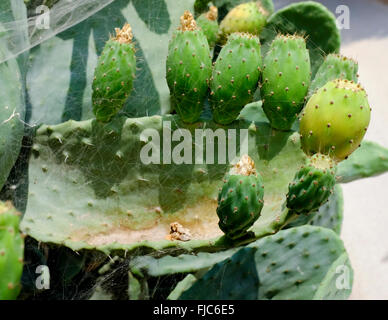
[240,200]
[114,74]
[11,252]
[258,219]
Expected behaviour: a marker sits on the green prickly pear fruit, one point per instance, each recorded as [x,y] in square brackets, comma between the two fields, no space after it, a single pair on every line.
[250,17]
[335,119]
[334,67]
[240,200]
[286,79]
[235,76]
[189,68]
[312,184]
[209,25]
[114,74]
[11,252]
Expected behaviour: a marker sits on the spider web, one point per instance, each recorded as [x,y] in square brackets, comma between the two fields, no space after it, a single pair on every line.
[63,50]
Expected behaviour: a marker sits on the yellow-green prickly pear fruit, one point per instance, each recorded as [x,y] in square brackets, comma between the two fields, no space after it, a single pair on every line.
[312,184]
[114,74]
[250,17]
[189,68]
[209,25]
[335,119]
[286,79]
[240,200]
[11,252]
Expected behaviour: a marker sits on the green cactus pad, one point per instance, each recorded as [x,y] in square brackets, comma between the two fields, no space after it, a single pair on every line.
[335,119]
[235,278]
[188,69]
[293,263]
[114,74]
[337,284]
[249,17]
[312,185]
[369,160]
[182,286]
[235,77]
[286,79]
[311,20]
[12,113]
[132,204]
[334,67]
[11,252]
[209,25]
[240,200]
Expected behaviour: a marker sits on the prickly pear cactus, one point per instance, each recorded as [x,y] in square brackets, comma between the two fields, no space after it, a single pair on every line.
[114,74]
[335,119]
[11,252]
[129,202]
[188,69]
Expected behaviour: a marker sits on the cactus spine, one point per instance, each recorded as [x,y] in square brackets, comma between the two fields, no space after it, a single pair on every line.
[209,25]
[114,74]
[249,17]
[335,119]
[312,184]
[188,69]
[240,200]
[235,76]
[11,252]
[286,79]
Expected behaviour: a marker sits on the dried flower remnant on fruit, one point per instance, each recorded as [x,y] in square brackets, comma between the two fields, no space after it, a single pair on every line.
[245,167]
[187,22]
[124,35]
[212,14]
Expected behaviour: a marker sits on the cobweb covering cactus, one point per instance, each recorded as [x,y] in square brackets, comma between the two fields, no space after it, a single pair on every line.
[125,208]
